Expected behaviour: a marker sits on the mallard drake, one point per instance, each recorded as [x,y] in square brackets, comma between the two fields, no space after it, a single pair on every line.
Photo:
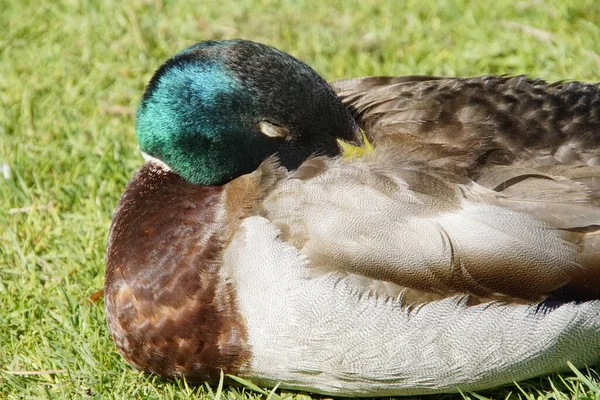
[458,250]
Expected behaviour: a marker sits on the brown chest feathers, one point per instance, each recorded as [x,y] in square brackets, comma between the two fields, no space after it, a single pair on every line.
[167,308]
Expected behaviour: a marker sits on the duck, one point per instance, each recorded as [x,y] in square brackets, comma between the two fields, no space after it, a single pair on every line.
[376,236]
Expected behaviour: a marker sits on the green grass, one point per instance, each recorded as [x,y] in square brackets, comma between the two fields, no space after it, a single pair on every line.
[71,74]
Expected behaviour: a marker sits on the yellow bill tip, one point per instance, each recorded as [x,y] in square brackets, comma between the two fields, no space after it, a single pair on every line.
[351,151]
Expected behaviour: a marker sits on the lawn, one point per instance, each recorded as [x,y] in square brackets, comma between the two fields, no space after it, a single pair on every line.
[71,75]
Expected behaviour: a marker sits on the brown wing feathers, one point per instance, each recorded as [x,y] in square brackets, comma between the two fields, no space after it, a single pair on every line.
[491,120]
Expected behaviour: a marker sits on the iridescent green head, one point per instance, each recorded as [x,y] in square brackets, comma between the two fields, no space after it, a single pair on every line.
[216,110]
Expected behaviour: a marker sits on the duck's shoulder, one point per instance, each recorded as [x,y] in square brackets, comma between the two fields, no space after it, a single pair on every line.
[466,123]
[509,93]
[169,309]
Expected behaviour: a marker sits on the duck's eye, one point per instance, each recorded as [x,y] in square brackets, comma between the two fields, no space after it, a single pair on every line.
[272,130]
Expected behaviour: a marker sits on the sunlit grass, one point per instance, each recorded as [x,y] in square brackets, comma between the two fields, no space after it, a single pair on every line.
[71,74]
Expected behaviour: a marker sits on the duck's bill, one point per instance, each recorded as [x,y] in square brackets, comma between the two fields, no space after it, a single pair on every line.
[354,136]
[357,147]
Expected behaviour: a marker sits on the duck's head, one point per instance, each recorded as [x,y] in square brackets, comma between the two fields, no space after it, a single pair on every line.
[217,109]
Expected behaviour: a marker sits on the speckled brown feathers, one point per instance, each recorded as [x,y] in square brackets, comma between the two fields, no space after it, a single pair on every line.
[167,308]
[465,123]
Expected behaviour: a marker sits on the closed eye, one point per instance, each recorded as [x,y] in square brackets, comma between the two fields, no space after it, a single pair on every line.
[272,130]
